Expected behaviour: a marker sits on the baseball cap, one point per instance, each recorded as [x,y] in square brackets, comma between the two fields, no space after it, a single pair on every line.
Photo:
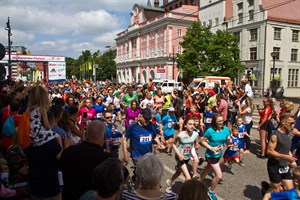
[171,109]
[153,111]
[146,113]
[212,93]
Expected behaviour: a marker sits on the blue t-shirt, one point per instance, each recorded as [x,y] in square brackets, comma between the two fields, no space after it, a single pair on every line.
[232,151]
[168,126]
[141,138]
[99,110]
[216,138]
[112,137]
[207,118]
[286,195]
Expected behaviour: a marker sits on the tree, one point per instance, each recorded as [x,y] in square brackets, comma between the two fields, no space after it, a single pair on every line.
[107,65]
[72,67]
[209,54]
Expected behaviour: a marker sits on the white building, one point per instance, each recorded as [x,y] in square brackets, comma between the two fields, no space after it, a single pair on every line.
[263,27]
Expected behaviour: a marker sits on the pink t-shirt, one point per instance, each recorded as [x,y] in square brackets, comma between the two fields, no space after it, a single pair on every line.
[223,108]
[158,101]
[130,116]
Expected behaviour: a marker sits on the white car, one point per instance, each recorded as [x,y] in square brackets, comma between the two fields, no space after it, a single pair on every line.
[168,87]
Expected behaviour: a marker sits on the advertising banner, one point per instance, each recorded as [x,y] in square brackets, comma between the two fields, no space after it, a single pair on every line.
[56,71]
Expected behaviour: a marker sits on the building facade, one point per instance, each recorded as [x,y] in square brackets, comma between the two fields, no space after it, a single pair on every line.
[148,48]
[263,27]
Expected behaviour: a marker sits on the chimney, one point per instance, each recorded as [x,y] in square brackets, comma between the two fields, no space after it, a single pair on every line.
[166,2]
[156,3]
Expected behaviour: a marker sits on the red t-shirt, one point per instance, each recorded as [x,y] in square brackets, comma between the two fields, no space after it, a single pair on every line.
[266,111]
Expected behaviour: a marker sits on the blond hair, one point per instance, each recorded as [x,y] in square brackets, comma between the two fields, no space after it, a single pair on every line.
[38,97]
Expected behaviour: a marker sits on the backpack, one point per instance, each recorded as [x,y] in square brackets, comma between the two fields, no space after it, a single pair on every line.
[24,130]
[9,127]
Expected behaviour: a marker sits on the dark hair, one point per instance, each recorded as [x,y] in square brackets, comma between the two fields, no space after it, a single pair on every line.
[134,101]
[50,116]
[59,101]
[73,110]
[214,120]
[193,189]
[15,105]
[64,121]
[57,110]
[108,177]
[186,121]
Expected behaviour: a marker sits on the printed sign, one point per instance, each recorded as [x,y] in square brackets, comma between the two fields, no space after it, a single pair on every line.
[56,71]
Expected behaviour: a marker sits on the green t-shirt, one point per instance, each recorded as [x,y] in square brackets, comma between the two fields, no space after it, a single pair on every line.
[128,99]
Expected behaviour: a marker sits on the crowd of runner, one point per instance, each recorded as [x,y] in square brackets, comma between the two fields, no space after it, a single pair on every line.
[78,128]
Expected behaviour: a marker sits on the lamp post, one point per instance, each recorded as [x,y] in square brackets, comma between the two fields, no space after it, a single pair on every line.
[173,61]
[273,55]
[8,28]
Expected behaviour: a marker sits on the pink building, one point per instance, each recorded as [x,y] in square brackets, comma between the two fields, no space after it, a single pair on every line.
[149,46]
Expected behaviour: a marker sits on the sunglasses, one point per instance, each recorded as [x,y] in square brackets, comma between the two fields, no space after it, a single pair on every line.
[108,117]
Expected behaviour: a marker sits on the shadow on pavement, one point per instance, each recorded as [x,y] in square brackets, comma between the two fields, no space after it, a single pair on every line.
[255,147]
[252,192]
[176,187]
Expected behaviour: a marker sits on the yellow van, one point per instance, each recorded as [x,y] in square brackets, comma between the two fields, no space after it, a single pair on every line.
[208,82]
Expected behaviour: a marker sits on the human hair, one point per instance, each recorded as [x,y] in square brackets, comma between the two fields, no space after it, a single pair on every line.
[214,120]
[105,112]
[289,106]
[73,110]
[59,101]
[38,97]
[15,106]
[108,177]
[284,117]
[64,121]
[296,173]
[57,110]
[234,128]
[50,116]
[186,120]
[193,189]
[149,171]
[134,101]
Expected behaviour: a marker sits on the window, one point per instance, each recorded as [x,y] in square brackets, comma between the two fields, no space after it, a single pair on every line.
[277,50]
[240,6]
[251,2]
[210,22]
[253,34]
[204,24]
[253,53]
[295,36]
[179,50]
[179,33]
[217,21]
[277,72]
[251,14]
[293,77]
[237,34]
[277,33]
[240,18]
[294,54]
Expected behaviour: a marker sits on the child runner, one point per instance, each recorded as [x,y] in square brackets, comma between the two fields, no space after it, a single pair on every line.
[187,139]
[231,154]
[242,132]
[207,116]
[168,122]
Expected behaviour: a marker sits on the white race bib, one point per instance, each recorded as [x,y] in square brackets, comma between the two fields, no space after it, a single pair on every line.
[186,150]
[208,120]
[146,139]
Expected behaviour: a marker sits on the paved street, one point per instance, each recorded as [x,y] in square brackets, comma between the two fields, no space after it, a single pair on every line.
[239,182]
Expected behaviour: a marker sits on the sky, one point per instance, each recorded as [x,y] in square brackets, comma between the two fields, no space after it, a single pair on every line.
[64,27]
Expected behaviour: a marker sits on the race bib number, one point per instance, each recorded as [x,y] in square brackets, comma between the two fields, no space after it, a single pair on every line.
[99,115]
[241,135]
[113,140]
[146,139]
[235,148]
[208,120]
[283,170]
[169,124]
[186,150]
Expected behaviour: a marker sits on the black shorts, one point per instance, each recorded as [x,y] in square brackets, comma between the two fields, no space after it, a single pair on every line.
[169,137]
[212,160]
[181,162]
[275,176]
[265,126]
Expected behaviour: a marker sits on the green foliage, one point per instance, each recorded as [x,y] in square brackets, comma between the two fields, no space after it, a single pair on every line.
[106,65]
[207,53]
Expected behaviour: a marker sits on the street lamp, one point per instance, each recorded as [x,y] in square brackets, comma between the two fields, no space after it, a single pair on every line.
[273,55]
[8,28]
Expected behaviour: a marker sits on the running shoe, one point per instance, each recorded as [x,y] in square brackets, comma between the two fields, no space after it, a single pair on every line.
[242,164]
[229,165]
[212,195]
[195,177]
[169,186]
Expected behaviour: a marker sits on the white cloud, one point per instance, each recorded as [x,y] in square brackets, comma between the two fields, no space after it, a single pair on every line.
[65,27]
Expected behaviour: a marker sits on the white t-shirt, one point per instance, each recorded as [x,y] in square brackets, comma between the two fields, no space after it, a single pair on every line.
[145,102]
[249,91]
[247,118]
